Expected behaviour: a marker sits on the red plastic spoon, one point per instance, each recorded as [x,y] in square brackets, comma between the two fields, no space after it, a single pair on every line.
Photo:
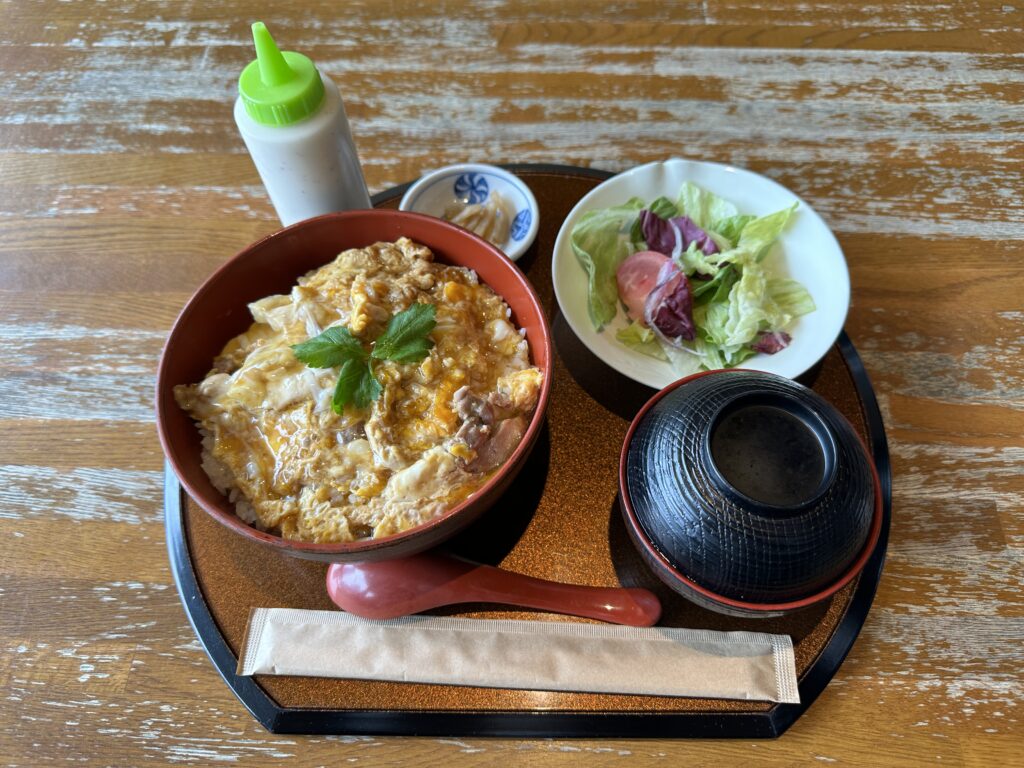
[389,588]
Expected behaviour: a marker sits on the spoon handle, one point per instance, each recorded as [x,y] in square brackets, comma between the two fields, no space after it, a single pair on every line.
[386,589]
[632,606]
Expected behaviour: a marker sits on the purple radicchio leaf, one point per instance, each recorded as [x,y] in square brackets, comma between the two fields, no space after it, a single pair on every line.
[771,342]
[669,306]
[673,236]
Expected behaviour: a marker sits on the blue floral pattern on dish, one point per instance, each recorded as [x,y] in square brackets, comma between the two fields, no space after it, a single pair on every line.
[471,187]
[521,224]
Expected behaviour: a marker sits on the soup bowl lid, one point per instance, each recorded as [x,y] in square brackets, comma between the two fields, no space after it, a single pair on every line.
[750,488]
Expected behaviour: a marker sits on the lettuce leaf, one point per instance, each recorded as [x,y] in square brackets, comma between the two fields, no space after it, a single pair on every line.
[701,354]
[759,234]
[790,296]
[663,208]
[717,288]
[642,339]
[731,227]
[694,260]
[703,207]
[600,242]
[747,309]
[684,360]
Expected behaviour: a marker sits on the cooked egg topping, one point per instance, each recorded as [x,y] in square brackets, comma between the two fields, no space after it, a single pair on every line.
[440,428]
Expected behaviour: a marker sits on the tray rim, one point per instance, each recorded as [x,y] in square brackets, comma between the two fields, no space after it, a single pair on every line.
[519,724]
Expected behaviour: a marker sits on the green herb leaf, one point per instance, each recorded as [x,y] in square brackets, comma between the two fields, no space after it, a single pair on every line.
[405,340]
[332,347]
[356,384]
[369,388]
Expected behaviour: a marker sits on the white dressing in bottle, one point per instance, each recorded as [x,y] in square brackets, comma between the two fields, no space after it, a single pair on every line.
[295,128]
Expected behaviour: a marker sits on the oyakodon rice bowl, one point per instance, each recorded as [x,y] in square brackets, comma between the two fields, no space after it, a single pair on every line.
[416,436]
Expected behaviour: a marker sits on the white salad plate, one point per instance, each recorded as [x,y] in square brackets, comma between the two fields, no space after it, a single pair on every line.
[806,251]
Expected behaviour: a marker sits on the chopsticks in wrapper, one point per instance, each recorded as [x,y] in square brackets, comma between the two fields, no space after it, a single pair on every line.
[531,655]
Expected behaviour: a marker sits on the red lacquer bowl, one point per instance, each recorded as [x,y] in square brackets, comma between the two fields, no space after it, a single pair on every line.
[219,311]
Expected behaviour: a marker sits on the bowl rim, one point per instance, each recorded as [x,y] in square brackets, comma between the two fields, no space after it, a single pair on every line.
[173,454]
[640,535]
[519,248]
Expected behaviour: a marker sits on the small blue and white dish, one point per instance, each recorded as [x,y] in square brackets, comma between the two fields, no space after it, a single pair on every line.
[473,184]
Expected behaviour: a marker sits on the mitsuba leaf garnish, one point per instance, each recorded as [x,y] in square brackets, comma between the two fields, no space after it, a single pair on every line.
[332,347]
[405,340]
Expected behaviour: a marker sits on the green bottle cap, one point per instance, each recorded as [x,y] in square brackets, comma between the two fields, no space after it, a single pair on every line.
[278,88]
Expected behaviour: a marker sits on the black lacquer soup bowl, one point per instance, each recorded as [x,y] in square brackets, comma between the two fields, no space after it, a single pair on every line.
[748,493]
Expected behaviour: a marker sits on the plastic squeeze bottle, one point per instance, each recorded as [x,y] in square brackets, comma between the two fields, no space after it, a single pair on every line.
[294,125]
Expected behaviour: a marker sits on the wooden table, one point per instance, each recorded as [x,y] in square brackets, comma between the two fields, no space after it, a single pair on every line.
[123,183]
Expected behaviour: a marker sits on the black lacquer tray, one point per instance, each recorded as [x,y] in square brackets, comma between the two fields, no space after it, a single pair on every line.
[560,520]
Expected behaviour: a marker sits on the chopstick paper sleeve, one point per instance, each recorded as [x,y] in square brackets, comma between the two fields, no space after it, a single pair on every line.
[531,655]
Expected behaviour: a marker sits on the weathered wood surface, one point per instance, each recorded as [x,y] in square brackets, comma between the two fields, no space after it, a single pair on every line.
[123,183]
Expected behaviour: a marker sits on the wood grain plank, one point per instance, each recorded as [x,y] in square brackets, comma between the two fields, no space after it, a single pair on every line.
[76,612]
[83,443]
[89,668]
[759,32]
[78,313]
[981,26]
[123,183]
[929,362]
[145,172]
[899,198]
[52,549]
[937,82]
[82,495]
[44,255]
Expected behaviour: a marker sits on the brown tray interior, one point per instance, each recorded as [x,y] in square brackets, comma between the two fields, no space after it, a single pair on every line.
[559,521]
